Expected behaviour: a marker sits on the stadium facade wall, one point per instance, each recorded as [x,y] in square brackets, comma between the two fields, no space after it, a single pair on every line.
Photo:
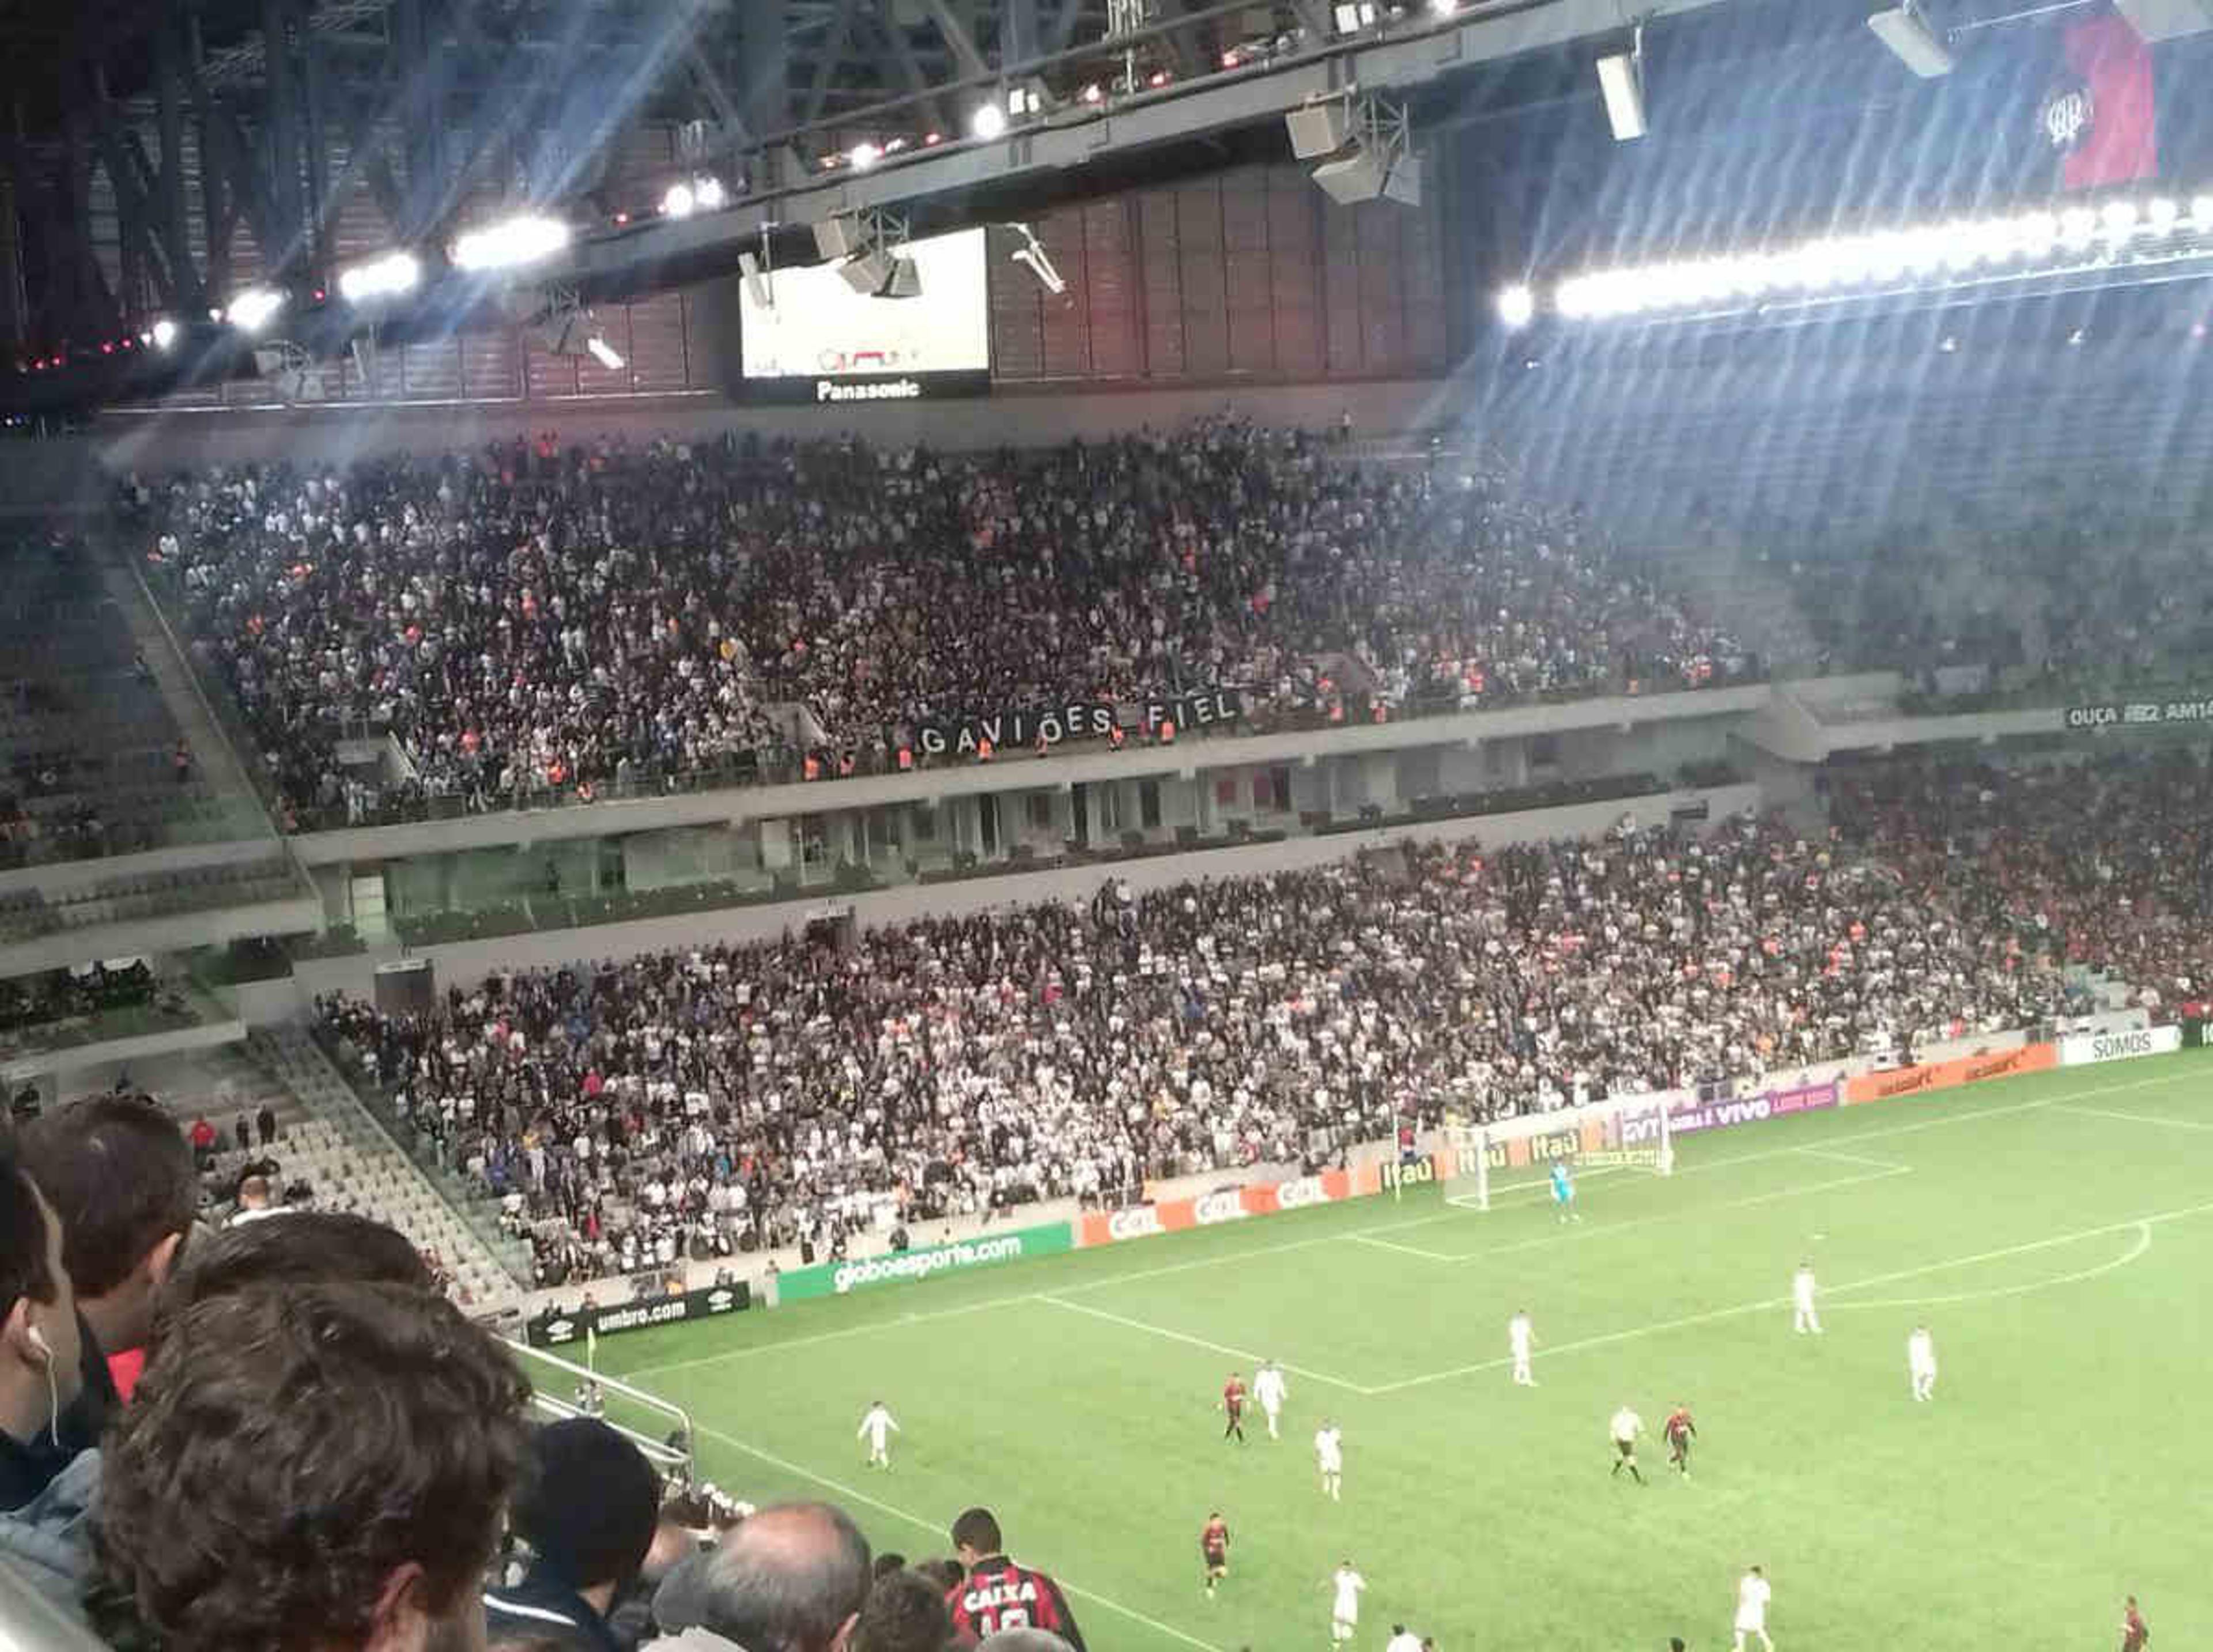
[125,441]
[465,963]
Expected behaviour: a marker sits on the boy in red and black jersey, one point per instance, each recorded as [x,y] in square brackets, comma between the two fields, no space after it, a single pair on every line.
[1678,1431]
[999,1594]
[1233,1401]
[1214,1549]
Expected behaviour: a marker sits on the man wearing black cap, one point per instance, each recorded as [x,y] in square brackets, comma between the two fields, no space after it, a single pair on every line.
[587,1507]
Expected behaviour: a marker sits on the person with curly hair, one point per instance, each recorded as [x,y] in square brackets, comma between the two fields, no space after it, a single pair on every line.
[319,1465]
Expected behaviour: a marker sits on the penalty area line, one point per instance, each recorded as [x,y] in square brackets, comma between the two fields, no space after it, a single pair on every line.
[937,1528]
[1770,1303]
[1246,1354]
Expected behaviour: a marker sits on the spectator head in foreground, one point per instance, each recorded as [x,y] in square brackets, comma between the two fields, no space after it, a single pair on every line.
[588,1506]
[119,1174]
[906,1612]
[321,1466]
[792,1578]
[310,1247]
[40,1349]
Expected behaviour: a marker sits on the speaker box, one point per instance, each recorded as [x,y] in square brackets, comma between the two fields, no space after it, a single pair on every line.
[1319,129]
[1358,177]
[838,237]
[871,273]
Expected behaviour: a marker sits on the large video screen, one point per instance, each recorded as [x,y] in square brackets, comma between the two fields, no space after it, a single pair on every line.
[821,341]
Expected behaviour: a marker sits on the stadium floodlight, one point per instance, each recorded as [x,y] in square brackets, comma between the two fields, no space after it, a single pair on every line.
[1912,41]
[2162,214]
[2078,226]
[988,122]
[707,190]
[2201,210]
[1443,8]
[862,156]
[164,334]
[385,277]
[1621,82]
[1351,16]
[679,202]
[510,243]
[604,353]
[1517,306]
[2118,218]
[253,310]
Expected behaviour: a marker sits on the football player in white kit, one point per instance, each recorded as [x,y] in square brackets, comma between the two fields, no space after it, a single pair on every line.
[877,1427]
[1270,1388]
[1752,1593]
[1520,1339]
[1921,1363]
[1804,1318]
[1329,1457]
[1345,1584]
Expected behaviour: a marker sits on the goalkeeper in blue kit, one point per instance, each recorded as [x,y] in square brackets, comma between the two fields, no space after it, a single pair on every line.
[1563,1193]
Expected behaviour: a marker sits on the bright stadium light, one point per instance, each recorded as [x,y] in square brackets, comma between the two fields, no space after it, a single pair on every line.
[2162,214]
[707,190]
[1517,306]
[678,202]
[862,156]
[604,353]
[510,244]
[164,333]
[2201,209]
[989,121]
[2078,226]
[2118,218]
[384,277]
[253,309]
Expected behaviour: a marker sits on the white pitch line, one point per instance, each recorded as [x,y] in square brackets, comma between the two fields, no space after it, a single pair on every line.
[1837,1150]
[1767,1304]
[2136,1250]
[1406,1250]
[1688,1213]
[1152,1330]
[938,1528]
[734,1354]
[2139,1117]
[1339,1237]
[1852,1158]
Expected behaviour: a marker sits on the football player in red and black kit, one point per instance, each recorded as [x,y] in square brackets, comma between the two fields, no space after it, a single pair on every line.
[2135,1633]
[1233,1401]
[1678,1431]
[1214,1549]
[998,1593]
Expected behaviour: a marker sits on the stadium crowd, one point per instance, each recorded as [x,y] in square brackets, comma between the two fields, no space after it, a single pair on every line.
[533,620]
[687,1104]
[283,1435]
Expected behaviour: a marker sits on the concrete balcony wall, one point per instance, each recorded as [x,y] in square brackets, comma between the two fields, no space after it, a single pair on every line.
[463,963]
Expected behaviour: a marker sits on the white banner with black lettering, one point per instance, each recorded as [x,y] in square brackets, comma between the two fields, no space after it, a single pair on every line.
[2083,1048]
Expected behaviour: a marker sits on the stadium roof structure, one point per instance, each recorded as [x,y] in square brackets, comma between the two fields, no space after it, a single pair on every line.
[165,151]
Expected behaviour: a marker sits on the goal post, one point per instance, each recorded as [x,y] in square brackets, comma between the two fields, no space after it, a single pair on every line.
[1630,1133]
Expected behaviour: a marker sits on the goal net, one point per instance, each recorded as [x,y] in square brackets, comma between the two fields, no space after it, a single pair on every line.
[1627,1134]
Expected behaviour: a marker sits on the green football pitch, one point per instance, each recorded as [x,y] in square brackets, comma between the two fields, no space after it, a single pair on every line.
[2054,1233]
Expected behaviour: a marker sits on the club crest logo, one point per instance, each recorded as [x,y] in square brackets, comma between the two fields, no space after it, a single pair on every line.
[2066,117]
